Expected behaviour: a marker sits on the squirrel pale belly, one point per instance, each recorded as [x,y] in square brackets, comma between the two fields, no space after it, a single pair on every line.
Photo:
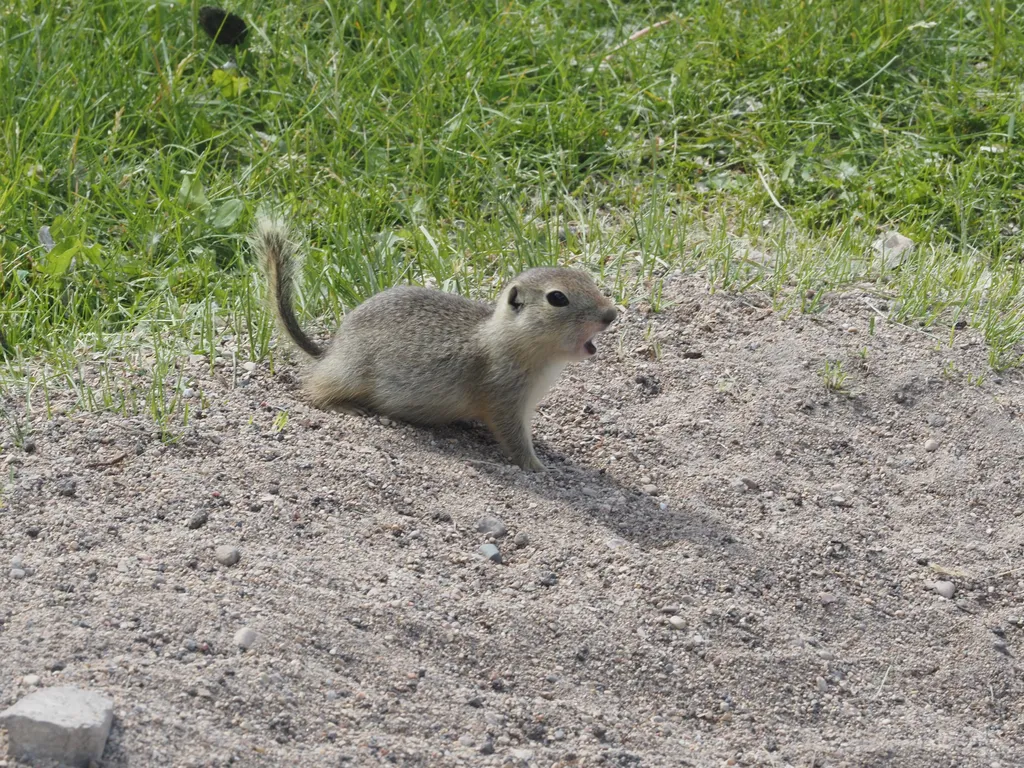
[430,357]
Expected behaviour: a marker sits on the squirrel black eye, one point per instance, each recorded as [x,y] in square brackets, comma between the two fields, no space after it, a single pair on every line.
[557,299]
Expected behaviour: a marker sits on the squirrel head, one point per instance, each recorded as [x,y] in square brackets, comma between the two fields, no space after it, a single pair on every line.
[555,313]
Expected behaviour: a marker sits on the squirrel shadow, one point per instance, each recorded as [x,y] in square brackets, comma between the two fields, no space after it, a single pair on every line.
[651,522]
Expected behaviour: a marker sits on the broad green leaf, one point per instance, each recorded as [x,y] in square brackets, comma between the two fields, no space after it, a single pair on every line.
[227,213]
[230,85]
[192,193]
[59,259]
[94,254]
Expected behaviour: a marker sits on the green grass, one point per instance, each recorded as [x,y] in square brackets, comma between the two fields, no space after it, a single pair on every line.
[457,142]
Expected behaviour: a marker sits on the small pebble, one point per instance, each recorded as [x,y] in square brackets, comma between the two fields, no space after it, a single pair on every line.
[944,588]
[548,579]
[227,554]
[17,573]
[491,526]
[931,445]
[677,622]
[936,420]
[32,680]
[245,637]
[742,484]
[491,553]
[249,366]
[650,490]
[198,520]
[188,393]
[521,540]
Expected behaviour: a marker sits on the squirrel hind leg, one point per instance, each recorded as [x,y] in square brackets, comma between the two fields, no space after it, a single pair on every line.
[347,408]
[336,388]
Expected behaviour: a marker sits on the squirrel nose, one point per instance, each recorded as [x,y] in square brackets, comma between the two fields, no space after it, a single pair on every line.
[609,315]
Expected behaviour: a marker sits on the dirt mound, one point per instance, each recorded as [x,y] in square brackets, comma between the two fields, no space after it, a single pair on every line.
[728,562]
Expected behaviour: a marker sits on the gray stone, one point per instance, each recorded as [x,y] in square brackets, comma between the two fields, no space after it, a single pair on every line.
[650,489]
[491,526]
[936,420]
[677,622]
[742,484]
[521,540]
[931,445]
[31,680]
[198,520]
[227,554]
[491,553]
[892,247]
[17,573]
[63,724]
[944,588]
[245,638]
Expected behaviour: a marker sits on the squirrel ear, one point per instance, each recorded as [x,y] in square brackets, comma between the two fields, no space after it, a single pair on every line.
[513,298]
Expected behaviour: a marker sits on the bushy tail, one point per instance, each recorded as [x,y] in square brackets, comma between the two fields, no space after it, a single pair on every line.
[279,259]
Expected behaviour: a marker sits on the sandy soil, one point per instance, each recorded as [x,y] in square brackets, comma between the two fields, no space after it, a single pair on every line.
[726,564]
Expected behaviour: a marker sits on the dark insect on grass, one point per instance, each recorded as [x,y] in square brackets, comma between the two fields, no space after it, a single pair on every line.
[225,28]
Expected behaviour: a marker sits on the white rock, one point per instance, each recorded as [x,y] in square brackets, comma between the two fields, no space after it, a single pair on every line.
[944,588]
[245,637]
[892,246]
[249,366]
[931,445]
[677,622]
[63,724]
[30,680]
[227,554]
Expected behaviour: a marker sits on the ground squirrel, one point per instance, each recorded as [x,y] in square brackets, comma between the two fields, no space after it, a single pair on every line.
[430,357]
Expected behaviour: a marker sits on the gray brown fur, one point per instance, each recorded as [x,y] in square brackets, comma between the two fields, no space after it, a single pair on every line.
[277,255]
[430,357]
